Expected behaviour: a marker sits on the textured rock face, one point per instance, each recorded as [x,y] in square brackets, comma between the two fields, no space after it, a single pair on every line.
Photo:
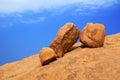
[78,64]
[93,35]
[65,39]
[47,55]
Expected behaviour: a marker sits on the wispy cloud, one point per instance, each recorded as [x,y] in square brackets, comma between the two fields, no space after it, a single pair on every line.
[21,6]
[4,25]
[29,11]
[30,21]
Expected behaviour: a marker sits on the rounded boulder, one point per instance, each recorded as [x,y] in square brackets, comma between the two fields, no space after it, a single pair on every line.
[47,55]
[93,35]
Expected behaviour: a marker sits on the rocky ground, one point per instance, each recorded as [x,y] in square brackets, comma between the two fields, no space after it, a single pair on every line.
[80,63]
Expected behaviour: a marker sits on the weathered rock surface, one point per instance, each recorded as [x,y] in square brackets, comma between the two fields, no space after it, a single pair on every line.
[47,55]
[79,63]
[66,37]
[93,35]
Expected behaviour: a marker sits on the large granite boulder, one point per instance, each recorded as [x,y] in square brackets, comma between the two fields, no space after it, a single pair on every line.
[93,35]
[66,37]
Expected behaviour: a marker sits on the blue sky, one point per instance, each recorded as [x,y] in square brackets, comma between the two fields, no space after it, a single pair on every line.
[26,26]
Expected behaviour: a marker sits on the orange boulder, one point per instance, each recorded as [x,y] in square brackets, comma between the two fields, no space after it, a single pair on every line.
[93,35]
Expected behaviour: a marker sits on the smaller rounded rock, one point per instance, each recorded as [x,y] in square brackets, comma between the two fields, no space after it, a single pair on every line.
[47,55]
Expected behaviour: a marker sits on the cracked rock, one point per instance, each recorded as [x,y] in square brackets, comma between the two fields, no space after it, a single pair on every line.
[66,37]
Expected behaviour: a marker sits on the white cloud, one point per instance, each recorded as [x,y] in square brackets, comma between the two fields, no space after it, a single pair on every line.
[30,21]
[6,25]
[21,6]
